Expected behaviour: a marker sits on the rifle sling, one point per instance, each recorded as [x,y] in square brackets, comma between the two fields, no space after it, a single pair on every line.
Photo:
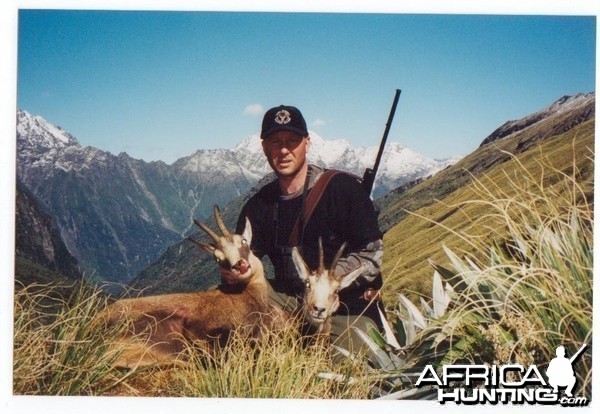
[312,199]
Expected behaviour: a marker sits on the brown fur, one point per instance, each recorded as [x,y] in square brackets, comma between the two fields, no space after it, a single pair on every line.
[159,327]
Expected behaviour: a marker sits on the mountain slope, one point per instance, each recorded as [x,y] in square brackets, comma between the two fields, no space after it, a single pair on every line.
[183,267]
[116,214]
[519,137]
[41,256]
[99,201]
[453,219]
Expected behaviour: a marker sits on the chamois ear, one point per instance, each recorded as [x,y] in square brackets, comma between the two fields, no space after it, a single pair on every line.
[300,264]
[347,279]
[247,234]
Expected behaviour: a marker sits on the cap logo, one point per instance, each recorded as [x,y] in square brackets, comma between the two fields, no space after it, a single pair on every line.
[283,117]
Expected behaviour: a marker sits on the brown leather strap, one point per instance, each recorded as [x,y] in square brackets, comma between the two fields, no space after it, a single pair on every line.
[312,199]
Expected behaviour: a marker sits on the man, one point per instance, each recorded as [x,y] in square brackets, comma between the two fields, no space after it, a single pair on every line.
[344,213]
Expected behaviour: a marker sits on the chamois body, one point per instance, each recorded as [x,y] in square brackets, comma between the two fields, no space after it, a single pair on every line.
[321,294]
[159,327]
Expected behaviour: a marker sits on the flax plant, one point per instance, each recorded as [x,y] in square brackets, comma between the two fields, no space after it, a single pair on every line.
[524,285]
[535,290]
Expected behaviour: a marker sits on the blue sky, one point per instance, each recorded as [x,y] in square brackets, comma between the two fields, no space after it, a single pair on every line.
[159,85]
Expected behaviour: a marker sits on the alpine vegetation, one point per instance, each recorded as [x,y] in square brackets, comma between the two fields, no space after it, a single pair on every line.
[515,297]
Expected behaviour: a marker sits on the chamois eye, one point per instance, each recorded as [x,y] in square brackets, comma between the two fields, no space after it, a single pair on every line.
[244,241]
[307,284]
[217,259]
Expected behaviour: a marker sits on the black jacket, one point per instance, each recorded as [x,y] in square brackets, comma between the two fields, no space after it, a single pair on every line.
[345,213]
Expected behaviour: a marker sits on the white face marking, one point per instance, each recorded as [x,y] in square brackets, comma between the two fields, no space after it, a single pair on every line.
[233,255]
[321,298]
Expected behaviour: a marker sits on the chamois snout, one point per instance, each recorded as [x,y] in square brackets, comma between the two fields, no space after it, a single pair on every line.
[318,313]
[242,266]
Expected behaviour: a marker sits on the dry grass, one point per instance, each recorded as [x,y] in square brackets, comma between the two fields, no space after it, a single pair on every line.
[60,351]
[461,225]
[523,275]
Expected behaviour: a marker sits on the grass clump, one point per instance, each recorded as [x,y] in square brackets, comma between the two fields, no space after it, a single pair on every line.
[522,286]
[59,349]
[277,365]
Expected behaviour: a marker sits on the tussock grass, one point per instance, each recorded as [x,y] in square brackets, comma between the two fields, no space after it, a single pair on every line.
[59,349]
[523,281]
[458,223]
[278,365]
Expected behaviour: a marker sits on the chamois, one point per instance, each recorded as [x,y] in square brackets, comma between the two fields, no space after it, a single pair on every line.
[321,295]
[163,324]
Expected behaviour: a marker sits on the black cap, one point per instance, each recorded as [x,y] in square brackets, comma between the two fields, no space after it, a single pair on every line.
[283,118]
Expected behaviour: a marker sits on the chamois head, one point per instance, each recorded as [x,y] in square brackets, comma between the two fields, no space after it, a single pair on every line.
[321,295]
[232,252]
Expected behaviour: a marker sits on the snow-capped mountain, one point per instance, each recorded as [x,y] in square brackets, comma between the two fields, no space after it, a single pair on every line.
[42,145]
[582,104]
[399,164]
[117,214]
[36,132]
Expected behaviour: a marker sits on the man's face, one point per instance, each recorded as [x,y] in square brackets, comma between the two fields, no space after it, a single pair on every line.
[286,152]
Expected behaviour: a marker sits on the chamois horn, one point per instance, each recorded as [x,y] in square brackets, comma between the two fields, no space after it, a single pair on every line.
[207,230]
[220,223]
[321,267]
[337,256]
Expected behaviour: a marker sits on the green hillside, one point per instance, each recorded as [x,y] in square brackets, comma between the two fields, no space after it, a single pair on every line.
[453,219]
[526,134]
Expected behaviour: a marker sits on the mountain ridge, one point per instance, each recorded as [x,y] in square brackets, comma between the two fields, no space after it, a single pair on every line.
[39,248]
[523,134]
[118,214]
[561,105]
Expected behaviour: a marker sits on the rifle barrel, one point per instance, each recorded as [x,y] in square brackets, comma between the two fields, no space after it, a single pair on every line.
[388,125]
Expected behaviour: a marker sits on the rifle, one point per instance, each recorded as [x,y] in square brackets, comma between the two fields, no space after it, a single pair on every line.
[369,175]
